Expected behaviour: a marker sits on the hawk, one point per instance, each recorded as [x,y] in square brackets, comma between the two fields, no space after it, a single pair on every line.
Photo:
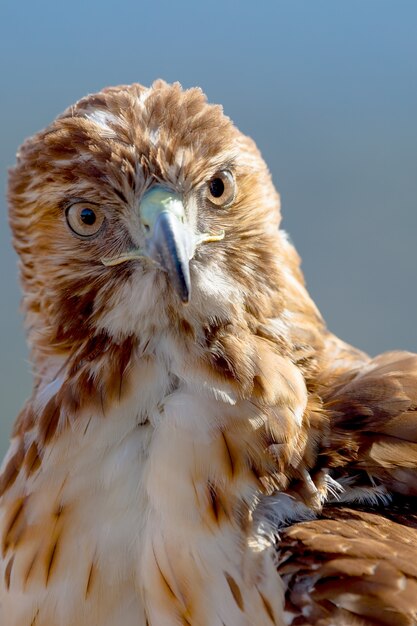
[198,448]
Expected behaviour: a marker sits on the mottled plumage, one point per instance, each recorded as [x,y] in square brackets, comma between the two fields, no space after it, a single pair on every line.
[198,448]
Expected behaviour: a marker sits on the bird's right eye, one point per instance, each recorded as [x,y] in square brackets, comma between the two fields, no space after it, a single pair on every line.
[84,219]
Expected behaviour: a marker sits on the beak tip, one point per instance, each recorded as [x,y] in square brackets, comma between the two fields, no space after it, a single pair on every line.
[183,286]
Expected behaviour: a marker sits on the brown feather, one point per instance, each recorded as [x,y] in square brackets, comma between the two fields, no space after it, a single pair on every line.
[354,561]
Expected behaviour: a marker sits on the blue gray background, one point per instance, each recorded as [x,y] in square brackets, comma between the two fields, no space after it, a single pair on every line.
[328,89]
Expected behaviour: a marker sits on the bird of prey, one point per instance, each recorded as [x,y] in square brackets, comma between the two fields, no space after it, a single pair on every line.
[198,448]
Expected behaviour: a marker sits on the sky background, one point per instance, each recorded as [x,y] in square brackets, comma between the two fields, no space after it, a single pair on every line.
[327,88]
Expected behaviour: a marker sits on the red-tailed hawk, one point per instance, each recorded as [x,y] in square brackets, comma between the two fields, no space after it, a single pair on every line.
[198,448]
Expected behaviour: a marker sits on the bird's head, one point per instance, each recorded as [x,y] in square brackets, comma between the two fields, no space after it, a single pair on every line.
[141,206]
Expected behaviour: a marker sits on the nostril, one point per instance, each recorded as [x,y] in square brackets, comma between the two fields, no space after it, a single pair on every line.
[147,228]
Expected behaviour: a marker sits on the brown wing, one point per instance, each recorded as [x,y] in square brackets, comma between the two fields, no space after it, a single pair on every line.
[350,568]
[359,566]
[373,425]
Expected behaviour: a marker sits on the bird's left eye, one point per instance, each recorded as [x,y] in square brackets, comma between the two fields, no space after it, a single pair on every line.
[221,188]
[84,219]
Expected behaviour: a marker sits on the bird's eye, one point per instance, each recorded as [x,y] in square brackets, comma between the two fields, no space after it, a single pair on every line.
[221,188]
[84,219]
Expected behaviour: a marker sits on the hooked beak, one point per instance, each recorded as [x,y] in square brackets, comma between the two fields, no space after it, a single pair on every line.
[169,240]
